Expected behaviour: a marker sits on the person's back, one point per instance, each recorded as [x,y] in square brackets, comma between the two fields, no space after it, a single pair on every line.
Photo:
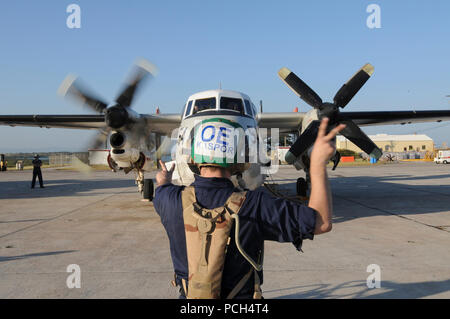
[261,217]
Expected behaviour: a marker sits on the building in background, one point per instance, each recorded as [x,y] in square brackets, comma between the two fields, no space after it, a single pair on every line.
[392,143]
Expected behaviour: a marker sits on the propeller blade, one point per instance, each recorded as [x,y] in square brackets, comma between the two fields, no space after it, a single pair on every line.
[81,167]
[165,148]
[70,87]
[300,88]
[303,142]
[99,140]
[353,133]
[142,70]
[349,89]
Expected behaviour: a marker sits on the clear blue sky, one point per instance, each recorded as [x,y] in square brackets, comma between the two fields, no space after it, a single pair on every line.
[242,44]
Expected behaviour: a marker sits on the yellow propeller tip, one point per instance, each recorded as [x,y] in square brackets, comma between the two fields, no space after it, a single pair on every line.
[284,72]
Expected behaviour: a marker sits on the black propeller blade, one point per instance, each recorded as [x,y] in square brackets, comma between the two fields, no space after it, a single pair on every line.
[300,88]
[99,140]
[360,139]
[71,86]
[303,142]
[330,110]
[349,89]
[142,70]
[116,115]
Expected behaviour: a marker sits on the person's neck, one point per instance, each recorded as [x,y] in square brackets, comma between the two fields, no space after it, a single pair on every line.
[215,173]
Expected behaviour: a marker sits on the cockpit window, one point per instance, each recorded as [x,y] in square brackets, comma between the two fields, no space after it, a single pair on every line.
[188,109]
[204,104]
[254,109]
[228,103]
[248,108]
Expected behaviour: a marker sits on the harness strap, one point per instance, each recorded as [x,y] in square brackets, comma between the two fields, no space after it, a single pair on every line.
[183,282]
[188,197]
[258,293]
[240,285]
[257,287]
[183,286]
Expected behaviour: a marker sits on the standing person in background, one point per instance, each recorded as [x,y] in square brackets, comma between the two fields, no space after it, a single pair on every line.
[37,163]
[3,163]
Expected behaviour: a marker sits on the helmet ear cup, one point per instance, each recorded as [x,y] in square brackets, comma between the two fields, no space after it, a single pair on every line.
[194,168]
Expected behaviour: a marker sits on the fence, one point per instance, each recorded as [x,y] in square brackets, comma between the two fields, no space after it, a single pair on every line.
[65,159]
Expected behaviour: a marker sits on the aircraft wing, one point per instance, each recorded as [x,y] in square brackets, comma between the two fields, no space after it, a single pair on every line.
[160,123]
[291,122]
[396,117]
[287,122]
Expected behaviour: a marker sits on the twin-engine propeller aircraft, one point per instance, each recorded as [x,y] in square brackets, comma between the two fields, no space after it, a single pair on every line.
[131,135]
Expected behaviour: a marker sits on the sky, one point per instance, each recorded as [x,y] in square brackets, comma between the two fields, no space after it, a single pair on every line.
[240,45]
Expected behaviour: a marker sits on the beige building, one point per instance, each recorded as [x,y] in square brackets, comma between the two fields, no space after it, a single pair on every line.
[392,143]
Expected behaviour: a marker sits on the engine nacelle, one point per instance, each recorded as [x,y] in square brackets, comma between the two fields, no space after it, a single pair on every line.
[123,151]
[125,157]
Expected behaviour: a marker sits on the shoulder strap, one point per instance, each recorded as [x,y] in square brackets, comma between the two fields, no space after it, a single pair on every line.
[235,202]
[188,196]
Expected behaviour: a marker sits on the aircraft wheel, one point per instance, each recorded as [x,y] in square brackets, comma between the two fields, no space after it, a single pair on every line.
[302,187]
[148,189]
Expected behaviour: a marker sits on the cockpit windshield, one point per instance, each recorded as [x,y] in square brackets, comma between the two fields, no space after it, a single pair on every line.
[248,107]
[228,103]
[204,104]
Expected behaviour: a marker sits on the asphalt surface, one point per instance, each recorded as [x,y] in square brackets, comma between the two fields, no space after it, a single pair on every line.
[395,216]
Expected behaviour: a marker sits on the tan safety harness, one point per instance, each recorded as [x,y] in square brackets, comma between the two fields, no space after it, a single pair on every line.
[207,240]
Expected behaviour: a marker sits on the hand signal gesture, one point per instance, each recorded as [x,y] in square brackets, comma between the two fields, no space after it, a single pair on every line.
[164,176]
[324,146]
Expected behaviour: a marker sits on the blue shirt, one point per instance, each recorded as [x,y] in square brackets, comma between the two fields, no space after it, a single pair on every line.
[262,217]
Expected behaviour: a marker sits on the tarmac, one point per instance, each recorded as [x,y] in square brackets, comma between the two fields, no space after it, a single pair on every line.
[395,216]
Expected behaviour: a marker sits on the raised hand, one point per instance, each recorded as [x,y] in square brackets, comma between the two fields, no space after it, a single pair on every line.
[324,146]
[164,176]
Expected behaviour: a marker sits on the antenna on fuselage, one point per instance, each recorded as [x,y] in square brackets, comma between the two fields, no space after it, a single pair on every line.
[260,106]
[220,85]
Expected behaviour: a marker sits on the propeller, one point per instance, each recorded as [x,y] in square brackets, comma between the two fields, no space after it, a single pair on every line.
[118,114]
[331,111]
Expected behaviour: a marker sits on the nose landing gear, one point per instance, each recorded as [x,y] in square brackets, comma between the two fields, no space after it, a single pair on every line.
[147,193]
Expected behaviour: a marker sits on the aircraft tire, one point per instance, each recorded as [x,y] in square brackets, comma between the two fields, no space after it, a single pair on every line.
[148,189]
[302,187]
